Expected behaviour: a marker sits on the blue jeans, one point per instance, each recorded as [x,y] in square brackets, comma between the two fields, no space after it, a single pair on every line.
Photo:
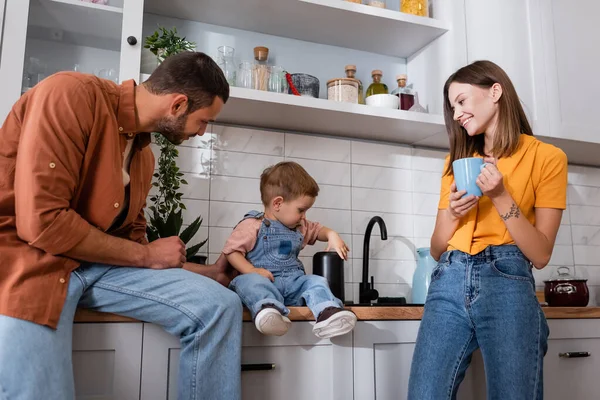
[206,317]
[291,288]
[484,301]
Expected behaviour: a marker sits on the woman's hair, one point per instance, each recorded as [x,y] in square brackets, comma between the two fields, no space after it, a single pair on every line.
[512,121]
[288,180]
[193,74]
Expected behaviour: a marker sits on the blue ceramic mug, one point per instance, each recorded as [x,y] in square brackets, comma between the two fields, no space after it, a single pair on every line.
[466,171]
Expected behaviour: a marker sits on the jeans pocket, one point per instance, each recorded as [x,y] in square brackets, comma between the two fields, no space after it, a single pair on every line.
[437,271]
[517,268]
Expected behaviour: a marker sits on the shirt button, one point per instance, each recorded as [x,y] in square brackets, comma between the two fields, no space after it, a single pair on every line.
[120,129]
[62,280]
[52,165]
[130,135]
[116,205]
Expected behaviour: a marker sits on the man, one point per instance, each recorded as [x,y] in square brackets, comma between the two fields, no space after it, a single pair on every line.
[75,171]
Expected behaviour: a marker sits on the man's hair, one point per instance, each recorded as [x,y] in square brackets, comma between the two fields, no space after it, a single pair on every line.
[193,74]
[288,180]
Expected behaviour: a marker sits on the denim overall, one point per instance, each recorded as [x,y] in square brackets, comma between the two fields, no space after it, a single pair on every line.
[277,248]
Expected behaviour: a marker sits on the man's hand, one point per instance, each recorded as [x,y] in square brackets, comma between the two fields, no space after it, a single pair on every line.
[165,253]
[221,271]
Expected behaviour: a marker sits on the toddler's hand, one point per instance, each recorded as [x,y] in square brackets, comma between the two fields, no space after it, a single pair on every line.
[264,272]
[336,243]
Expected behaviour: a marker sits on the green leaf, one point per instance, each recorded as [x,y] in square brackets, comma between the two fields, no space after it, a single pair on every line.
[189,232]
[151,234]
[184,181]
[173,224]
[191,251]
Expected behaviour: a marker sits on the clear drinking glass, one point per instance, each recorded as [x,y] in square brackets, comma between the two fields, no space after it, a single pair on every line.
[277,82]
[226,63]
[245,78]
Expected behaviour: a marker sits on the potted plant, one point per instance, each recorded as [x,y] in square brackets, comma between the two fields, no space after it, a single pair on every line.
[165,218]
[165,42]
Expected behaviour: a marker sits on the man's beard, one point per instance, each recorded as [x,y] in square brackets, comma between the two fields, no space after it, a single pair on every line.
[173,129]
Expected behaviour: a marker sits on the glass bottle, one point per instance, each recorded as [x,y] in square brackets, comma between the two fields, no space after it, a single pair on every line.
[407,98]
[415,7]
[377,87]
[351,73]
[422,275]
[227,64]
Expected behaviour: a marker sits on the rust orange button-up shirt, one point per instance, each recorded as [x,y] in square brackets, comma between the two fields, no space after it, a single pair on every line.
[61,163]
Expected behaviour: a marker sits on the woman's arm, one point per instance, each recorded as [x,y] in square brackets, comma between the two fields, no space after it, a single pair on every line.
[536,242]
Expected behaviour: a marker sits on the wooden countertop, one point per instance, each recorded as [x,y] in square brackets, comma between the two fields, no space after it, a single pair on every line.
[363,314]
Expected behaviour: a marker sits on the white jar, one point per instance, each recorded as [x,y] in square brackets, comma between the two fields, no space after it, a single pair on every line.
[344,90]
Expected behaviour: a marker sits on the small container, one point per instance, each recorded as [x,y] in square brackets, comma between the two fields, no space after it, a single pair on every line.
[407,98]
[377,3]
[376,87]
[260,69]
[355,1]
[245,75]
[344,90]
[415,7]
[351,73]
[307,85]
[277,82]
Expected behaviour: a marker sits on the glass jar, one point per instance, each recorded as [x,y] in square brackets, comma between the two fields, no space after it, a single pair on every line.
[355,1]
[244,76]
[415,7]
[407,98]
[277,81]
[227,64]
[351,73]
[376,87]
[376,3]
[260,69]
[344,90]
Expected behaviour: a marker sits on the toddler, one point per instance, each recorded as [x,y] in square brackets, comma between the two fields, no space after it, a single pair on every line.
[264,248]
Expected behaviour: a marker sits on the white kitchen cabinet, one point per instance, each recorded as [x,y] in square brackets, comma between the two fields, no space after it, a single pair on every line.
[382,358]
[46,36]
[571,57]
[508,32]
[572,378]
[305,367]
[107,360]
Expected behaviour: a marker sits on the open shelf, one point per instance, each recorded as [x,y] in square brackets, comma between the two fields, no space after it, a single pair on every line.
[330,22]
[76,22]
[286,112]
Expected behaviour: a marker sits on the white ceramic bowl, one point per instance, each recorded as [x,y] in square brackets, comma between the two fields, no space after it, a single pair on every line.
[384,101]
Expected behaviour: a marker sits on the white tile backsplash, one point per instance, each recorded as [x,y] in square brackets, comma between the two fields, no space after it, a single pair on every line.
[243,165]
[232,138]
[382,155]
[386,178]
[359,180]
[317,148]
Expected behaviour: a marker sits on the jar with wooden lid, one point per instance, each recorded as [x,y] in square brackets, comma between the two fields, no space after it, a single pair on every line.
[415,7]
[354,1]
[260,69]
[376,87]
[344,90]
[376,3]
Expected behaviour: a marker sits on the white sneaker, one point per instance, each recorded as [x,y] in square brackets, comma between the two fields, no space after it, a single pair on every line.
[269,321]
[338,324]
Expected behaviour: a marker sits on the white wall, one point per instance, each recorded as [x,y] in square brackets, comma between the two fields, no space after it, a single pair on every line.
[359,180]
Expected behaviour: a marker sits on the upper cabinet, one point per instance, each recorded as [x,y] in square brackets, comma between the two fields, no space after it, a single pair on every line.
[42,37]
[571,57]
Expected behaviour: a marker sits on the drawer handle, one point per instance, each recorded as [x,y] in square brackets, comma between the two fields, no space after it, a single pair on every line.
[575,354]
[258,367]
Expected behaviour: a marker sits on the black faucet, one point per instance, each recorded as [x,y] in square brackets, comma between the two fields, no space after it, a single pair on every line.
[366,291]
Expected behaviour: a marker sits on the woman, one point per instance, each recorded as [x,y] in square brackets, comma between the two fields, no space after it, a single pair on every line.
[482,293]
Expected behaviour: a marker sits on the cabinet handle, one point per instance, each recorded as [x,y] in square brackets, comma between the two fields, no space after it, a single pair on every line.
[132,40]
[575,354]
[258,367]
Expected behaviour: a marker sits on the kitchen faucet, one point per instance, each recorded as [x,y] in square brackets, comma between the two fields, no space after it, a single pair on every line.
[366,291]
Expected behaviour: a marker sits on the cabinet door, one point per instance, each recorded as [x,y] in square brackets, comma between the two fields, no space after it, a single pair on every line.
[572,378]
[107,361]
[297,366]
[508,32]
[46,36]
[571,33]
[383,353]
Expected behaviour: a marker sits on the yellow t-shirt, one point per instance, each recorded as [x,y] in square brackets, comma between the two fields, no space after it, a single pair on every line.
[535,176]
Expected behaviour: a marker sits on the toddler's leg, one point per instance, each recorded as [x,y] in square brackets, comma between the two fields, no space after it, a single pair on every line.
[265,303]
